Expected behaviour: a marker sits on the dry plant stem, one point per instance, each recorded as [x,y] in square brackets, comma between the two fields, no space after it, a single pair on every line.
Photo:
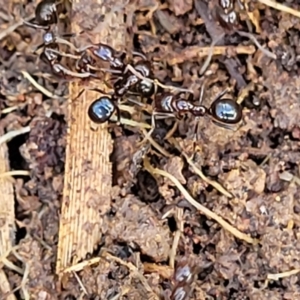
[7,110]
[238,234]
[215,184]
[80,283]
[7,217]
[80,266]
[154,144]
[8,264]
[134,270]
[244,92]
[278,276]
[196,52]
[131,123]
[12,134]
[280,7]
[258,45]
[13,27]
[210,54]
[179,215]
[171,131]
[38,86]
[14,173]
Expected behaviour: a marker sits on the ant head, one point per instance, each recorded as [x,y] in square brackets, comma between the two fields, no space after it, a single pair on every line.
[48,38]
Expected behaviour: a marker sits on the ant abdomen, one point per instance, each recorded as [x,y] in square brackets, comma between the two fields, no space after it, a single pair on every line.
[101,110]
[226,111]
[46,13]
[144,87]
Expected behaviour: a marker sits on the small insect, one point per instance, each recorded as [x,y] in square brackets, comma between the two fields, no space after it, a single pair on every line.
[102,109]
[223,112]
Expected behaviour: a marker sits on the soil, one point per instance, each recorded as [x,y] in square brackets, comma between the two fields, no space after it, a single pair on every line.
[247,176]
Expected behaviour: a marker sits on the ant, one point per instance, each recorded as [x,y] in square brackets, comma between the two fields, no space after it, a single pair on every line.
[136,78]
[108,54]
[46,15]
[103,108]
[223,111]
[51,56]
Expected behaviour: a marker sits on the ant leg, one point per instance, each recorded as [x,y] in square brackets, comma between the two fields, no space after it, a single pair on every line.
[153,122]
[38,47]
[232,127]
[99,91]
[79,94]
[36,26]
[136,102]
[149,133]
[170,87]
[118,114]
[220,95]
[135,53]
[201,94]
[68,35]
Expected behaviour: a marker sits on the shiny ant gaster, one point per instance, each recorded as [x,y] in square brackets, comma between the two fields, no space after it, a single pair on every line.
[45,15]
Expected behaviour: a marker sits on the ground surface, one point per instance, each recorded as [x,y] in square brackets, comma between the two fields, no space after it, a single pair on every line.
[257,164]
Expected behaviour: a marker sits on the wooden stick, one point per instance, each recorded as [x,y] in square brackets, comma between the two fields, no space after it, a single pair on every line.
[7,216]
[88,171]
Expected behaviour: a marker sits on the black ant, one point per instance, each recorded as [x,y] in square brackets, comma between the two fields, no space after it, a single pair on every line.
[51,56]
[101,110]
[136,78]
[223,111]
[46,15]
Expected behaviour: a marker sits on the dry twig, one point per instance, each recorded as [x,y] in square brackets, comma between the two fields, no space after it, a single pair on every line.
[280,7]
[238,234]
